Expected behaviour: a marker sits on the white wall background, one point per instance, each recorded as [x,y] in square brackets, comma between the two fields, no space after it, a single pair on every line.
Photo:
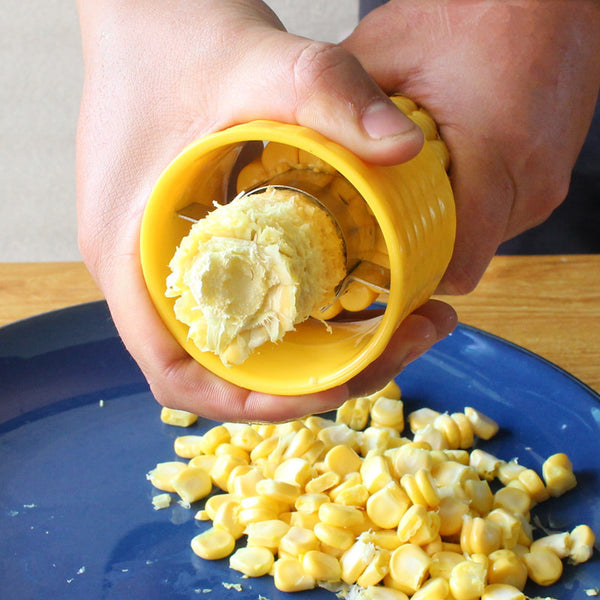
[41,77]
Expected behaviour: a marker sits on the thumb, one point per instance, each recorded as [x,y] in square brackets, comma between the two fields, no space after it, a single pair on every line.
[324,87]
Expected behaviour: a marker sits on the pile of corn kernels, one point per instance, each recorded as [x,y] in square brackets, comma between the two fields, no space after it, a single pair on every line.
[353,504]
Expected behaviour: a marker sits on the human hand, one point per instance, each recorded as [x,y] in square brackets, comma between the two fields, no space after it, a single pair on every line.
[161,75]
[512,86]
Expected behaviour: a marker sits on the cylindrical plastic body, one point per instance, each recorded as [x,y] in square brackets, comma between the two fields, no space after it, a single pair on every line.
[414,217]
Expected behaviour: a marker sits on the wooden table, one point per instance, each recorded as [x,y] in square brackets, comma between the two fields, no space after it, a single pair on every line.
[547,304]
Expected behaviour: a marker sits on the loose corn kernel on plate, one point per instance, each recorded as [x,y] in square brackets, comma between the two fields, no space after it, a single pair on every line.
[79,430]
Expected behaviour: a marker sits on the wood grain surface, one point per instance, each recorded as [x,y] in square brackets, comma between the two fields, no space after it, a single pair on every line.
[547,304]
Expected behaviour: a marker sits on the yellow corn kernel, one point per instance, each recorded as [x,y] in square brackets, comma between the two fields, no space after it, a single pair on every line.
[301,519]
[512,499]
[255,515]
[388,412]
[188,446]
[255,561]
[534,485]
[316,423]
[211,506]
[418,525]
[582,544]
[409,566]
[224,465]
[410,459]
[448,427]
[480,495]
[377,439]
[559,543]
[335,537]
[261,502]
[376,570]
[282,491]
[264,449]
[339,434]
[390,390]
[483,426]
[435,588]
[427,487]
[357,296]
[266,533]
[509,471]
[465,430]
[375,473]
[457,455]
[443,562]
[543,566]
[219,434]
[298,540]
[467,580]
[243,483]
[179,418]
[338,515]
[484,463]
[322,482]
[203,461]
[201,515]
[314,452]
[300,443]
[451,473]
[289,576]
[381,592]
[558,475]
[161,477]
[296,471]
[382,538]
[433,438]
[350,493]
[321,566]
[387,506]
[480,536]
[232,450]
[342,460]
[192,483]
[213,544]
[510,526]
[310,503]
[451,511]
[422,417]
[506,567]
[246,437]
[227,518]
[502,591]
[354,413]
[355,560]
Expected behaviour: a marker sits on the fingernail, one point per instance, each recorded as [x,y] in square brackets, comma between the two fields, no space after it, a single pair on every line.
[382,119]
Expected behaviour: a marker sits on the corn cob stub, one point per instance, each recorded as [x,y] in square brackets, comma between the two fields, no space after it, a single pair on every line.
[360,507]
[253,269]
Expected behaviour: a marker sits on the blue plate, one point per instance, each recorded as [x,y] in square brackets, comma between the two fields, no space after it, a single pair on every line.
[79,430]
